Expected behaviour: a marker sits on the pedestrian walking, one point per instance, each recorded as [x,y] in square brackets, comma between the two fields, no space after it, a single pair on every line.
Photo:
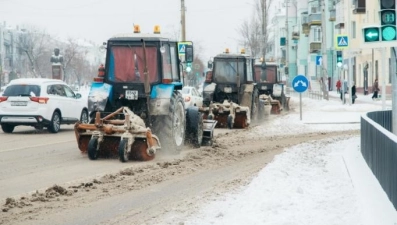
[375,89]
[343,91]
[354,96]
[338,85]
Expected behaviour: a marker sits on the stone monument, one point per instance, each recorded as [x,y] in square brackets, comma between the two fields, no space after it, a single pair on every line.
[57,61]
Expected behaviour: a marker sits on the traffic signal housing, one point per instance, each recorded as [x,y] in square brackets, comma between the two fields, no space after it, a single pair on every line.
[188,67]
[371,34]
[387,15]
[386,30]
[339,58]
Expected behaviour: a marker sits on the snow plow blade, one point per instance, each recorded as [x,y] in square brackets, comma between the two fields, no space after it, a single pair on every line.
[228,114]
[126,137]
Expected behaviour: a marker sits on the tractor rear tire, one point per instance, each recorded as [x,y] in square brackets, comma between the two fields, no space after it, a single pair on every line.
[171,128]
[123,150]
[194,127]
[92,149]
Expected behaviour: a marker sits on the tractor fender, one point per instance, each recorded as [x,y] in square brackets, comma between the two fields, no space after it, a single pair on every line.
[160,99]
[208,92]
[246,94]
[98,96]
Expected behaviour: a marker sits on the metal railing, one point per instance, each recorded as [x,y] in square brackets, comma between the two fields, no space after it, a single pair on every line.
[379,149]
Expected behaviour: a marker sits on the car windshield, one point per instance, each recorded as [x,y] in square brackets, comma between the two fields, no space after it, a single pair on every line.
[225,71]
[185,91]
[127,64]
[22,90]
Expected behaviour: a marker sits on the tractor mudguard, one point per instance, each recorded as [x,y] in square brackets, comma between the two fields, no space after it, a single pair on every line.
[98,96]
[160,97]
[208,92]
[246,94]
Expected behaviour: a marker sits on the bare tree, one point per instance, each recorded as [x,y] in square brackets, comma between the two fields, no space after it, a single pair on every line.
[251,36]
[71,53]
[254,31]
[263,7]
[36,43]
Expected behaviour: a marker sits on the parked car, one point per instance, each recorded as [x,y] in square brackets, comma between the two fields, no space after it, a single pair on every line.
[40,103]
[192,96]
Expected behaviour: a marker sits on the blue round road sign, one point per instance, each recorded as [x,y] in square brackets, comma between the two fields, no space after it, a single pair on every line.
[300,83]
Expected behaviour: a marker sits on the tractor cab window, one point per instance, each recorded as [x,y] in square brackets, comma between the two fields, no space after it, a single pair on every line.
[166,59]
[127,64]
[174,62]
[225,71]
[170,64]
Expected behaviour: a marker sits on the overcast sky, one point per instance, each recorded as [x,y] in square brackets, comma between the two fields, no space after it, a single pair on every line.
[210,23]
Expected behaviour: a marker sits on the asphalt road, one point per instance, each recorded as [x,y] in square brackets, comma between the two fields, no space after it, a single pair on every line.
[33,160]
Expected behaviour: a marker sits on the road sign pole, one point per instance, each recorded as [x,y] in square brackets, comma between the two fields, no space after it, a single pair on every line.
[300,104]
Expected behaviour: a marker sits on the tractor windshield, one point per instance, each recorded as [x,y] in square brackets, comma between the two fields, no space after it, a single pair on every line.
[225,71]
[127,64]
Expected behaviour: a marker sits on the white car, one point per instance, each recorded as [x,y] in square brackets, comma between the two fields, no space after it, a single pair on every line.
[191,96]
[40,103]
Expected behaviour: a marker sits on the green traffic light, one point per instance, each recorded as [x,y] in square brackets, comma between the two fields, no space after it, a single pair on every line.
[388,33]
[371,34]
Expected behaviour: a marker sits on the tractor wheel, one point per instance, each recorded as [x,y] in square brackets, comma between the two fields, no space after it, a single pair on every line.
[123,150]
[93,149]
[230,122]
[171,128]
[139,151]
[194,126]
[7,128]
[55,124]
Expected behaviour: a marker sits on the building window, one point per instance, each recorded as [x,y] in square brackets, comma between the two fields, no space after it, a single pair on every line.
[353,29]
[317,36]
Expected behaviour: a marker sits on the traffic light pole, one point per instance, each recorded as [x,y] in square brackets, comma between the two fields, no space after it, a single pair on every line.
[383,53]
[349,59]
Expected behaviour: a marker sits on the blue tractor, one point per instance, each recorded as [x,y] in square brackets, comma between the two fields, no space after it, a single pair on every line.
[136,95]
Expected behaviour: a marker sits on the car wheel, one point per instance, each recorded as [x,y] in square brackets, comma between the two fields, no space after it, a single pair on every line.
[7,128]
[55,123]
[84,116]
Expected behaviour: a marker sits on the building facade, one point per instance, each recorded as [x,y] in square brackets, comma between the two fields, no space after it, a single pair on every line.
[311,31]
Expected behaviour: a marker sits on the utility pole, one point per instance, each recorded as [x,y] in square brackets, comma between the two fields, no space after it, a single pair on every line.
[183,22]
[323,65]
[264,24]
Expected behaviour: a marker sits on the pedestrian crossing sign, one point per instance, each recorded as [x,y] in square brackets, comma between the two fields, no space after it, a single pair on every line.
[342,41]
[182,47]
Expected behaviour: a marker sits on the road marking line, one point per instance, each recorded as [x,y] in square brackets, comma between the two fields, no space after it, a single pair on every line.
[34,146]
